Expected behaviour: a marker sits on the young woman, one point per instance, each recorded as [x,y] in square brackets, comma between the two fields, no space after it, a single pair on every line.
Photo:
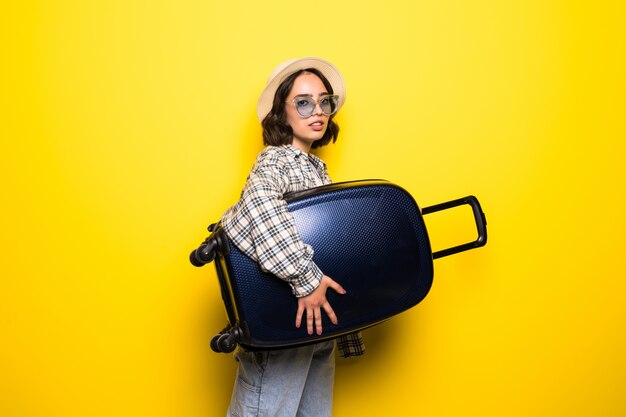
[296,110]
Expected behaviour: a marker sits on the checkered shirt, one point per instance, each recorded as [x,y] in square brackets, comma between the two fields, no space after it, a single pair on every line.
[261,227]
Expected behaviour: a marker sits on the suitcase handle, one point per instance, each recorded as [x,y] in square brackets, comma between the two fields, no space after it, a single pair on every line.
[205,253]
[479,218]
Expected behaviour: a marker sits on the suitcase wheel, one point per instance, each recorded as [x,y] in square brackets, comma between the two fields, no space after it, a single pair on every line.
[225,341]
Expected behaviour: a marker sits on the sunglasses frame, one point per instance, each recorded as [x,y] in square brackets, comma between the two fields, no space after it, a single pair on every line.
[309,97]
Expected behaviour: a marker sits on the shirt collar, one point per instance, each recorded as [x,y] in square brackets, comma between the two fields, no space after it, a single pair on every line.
[297,153]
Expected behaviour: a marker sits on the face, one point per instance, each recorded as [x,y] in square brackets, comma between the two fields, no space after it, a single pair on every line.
[306,130]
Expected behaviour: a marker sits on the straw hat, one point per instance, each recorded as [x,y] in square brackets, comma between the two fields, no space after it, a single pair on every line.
[287,68]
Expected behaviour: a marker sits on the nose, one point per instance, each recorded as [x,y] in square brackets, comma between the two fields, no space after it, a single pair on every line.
[318,109]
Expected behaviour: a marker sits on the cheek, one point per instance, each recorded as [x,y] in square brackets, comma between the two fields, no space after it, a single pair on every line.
[289,121]
[292,120]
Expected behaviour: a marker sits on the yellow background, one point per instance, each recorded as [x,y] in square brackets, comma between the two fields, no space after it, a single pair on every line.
[129,126]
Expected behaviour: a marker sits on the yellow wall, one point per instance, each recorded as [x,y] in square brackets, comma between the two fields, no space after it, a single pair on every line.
[128,126]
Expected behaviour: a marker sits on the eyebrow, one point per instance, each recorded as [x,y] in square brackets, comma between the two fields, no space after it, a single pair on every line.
[311,95]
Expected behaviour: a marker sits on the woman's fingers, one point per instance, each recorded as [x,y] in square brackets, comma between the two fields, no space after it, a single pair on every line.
[331,283]
[310,320]
[312,306]
[330,313]
[299,313]
[318,321]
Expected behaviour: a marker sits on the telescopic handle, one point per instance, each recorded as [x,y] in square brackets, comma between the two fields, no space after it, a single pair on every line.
[479,218]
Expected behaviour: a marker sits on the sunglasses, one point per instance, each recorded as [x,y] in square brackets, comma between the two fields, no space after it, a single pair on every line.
[305,105]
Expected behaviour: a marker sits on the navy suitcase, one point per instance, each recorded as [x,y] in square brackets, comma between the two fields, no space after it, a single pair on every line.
[367,235]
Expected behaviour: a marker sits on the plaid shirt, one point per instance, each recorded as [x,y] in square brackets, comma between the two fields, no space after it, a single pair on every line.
[261,227]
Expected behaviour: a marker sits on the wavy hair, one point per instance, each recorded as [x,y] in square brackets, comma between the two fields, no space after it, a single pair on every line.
[277,132]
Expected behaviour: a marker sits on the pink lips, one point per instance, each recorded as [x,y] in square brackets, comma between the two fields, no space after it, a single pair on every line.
[317,125]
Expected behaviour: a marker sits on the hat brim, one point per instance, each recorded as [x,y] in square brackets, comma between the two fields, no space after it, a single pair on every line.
[284,70]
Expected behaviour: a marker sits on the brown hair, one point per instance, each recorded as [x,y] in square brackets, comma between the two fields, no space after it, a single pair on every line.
[277,132]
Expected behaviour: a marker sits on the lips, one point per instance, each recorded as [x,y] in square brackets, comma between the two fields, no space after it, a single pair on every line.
[317,125]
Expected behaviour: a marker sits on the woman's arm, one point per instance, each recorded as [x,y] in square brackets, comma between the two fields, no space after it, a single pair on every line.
[261,225]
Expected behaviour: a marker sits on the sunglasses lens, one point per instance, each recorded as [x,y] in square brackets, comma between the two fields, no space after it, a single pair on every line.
[329,104]
[305,106]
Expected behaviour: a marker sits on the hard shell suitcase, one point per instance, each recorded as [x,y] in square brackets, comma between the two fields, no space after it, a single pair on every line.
[367,235]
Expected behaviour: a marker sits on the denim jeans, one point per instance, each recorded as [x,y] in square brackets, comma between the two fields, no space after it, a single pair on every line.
[285,383]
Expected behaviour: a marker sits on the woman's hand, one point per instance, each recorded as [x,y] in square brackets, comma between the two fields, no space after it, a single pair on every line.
[313,304]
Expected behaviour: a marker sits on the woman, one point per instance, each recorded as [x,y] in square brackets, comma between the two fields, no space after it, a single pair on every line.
[296,110]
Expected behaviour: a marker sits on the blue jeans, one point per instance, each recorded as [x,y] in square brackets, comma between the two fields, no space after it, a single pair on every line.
[285,383]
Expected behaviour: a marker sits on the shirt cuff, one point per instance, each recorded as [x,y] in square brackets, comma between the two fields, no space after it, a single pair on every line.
[310,281]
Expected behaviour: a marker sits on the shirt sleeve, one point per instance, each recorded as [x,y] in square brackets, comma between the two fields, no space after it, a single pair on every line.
[271,235]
